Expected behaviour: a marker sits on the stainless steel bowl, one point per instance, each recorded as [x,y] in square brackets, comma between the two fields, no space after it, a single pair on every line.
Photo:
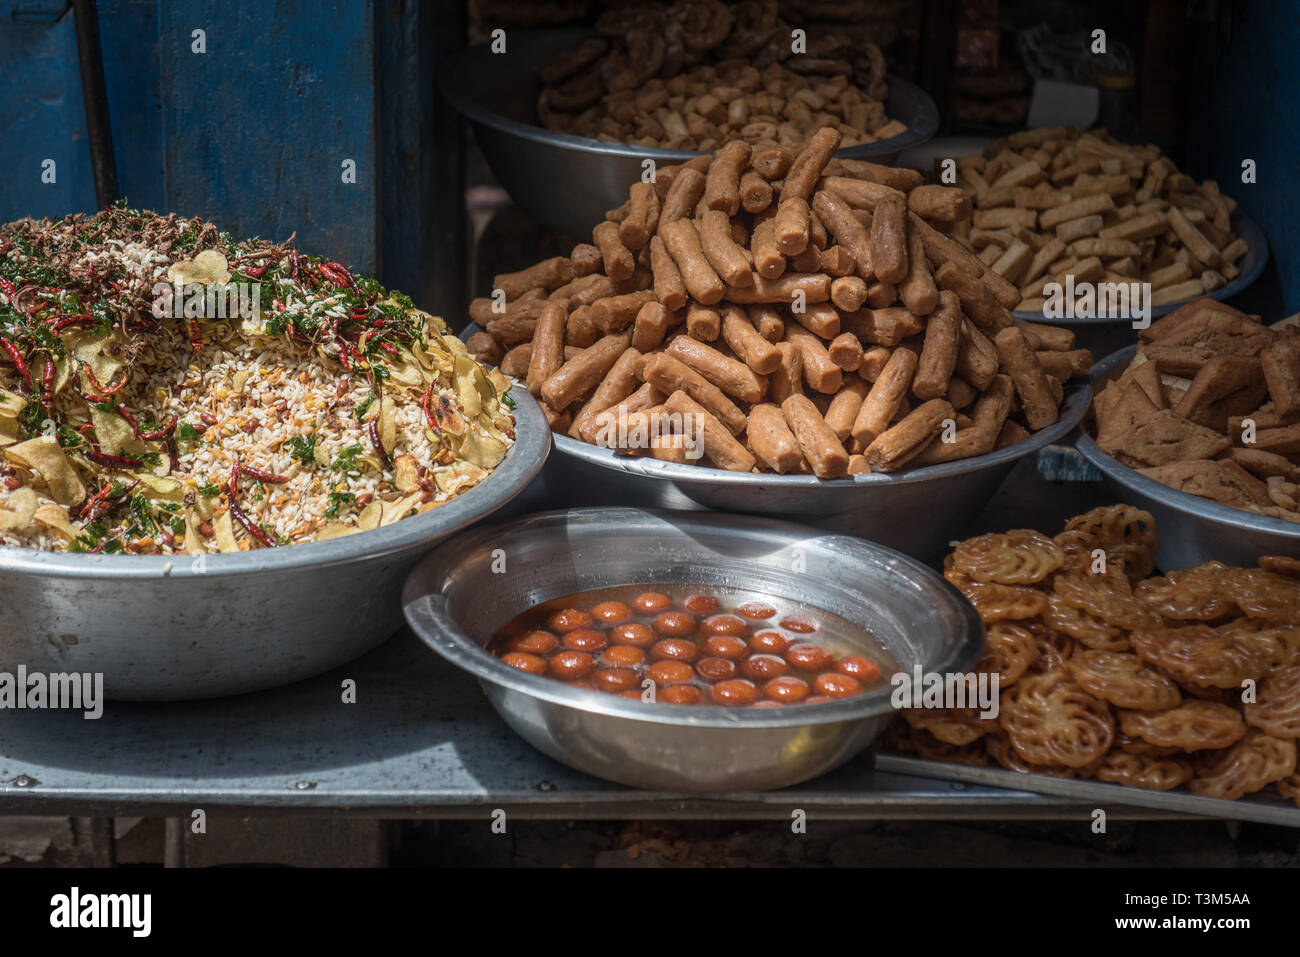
[457,598]
[917,512]
[1192,530]
[1251,267]
[569,182]
[175,628]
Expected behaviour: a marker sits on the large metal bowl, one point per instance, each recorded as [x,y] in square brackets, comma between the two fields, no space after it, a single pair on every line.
[457,599]
[176,628]
[569,182]
[1192,530]
[917,512]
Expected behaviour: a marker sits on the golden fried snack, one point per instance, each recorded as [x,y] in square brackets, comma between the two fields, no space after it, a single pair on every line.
[619,262]
[1254,762]
[1289,788]
[925,745]
[908,438]
[548,346]
[1192,726]
[1195,594]
[1083,627]
[1276,710]
[807,167]
[584,371]
[1281,565]
[1123,680]
[1130,745]
[1055,648]
[722,183]
[1262,594]
[817,440]
[1279,645]
[1200,656]
[998,602]
[1144,771]
[998,747]
[1051,720]
[669,375]
[682,241]
[771,440]
[1018,557]
[1104,600]
[719,444]
[1122,531]
[1009,650]
[955,726]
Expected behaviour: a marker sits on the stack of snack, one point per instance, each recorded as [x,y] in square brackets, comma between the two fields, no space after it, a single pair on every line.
[1155,682]
[803,308]
[1054,202]
[1210,406]
[697,73]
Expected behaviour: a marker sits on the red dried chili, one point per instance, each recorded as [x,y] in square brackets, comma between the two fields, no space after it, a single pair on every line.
[268,477]
[247,522]
[17,358]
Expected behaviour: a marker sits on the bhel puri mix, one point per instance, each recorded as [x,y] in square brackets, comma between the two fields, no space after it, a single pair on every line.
[166,389]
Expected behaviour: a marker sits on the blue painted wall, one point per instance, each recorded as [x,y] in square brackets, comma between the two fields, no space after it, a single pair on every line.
[250,134]
[1246,104]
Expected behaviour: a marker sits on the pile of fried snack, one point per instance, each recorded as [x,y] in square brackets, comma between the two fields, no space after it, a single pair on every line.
[1053,202]
[1191,678]
[695,73]
[813,313]
[1210,405]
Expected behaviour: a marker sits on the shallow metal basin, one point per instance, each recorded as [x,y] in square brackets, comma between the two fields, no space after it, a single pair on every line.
[458,597]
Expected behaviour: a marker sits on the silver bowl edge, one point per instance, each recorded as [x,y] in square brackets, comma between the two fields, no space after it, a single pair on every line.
[1192,530]
[664,746]
[165,628]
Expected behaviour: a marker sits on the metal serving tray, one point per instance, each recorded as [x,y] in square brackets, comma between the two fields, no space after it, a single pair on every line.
[1263,809]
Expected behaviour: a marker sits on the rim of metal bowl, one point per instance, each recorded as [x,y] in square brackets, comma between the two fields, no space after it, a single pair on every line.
[455,82]
[1077,399]
[425,611]
[1256,247]
[521,465]
[1183,502]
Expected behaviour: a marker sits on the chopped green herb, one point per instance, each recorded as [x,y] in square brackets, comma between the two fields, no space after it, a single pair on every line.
[140,510]
[303,448]
[336,500]
[346,460]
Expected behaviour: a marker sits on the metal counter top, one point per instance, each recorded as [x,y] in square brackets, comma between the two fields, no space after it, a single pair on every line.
[421,741]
